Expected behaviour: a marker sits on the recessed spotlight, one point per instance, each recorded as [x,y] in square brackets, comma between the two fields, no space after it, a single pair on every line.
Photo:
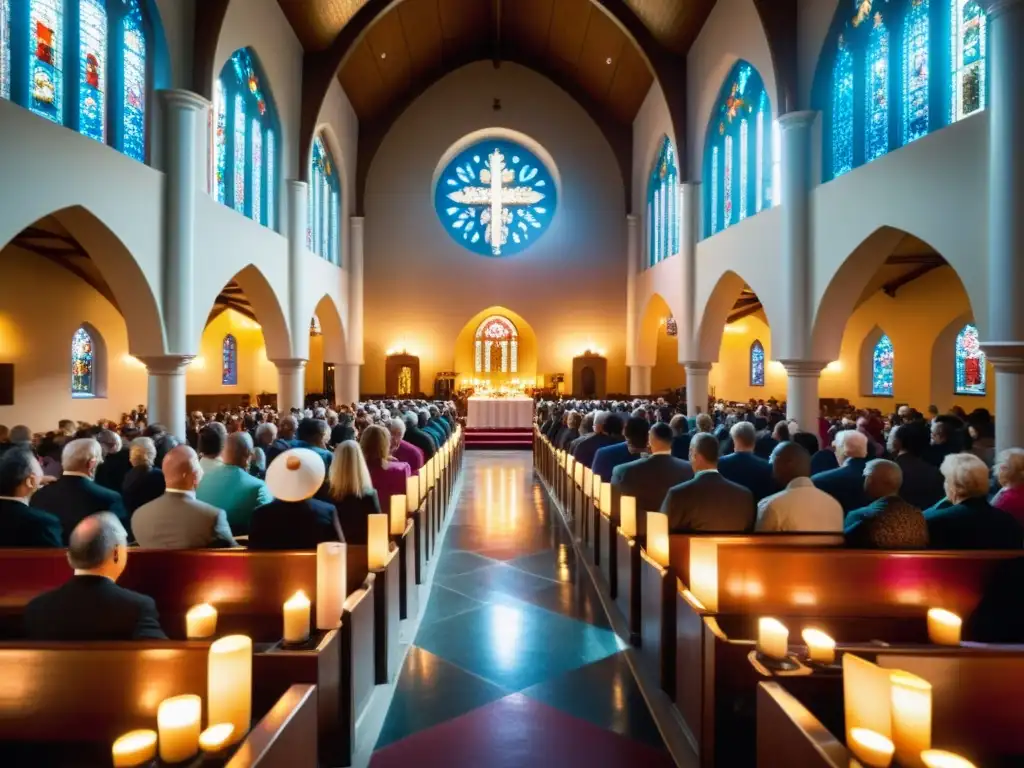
[383,55]
[608,60]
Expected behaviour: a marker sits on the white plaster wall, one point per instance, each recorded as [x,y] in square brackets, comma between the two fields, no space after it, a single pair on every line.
[178,20]
[814,17]
[651,123]
[339,119]
[421,287]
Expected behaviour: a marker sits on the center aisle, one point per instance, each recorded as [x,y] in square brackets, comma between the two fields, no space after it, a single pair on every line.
[514,663]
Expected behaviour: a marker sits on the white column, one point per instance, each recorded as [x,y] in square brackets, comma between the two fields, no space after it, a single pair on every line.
[291,384]
[639,380]
[298,323]
[802,403]
[697,376]
[796,247]
[182,113]
[689,206]
[632,267]
[1007,359]
[166,392]
[354,345]
[346,383]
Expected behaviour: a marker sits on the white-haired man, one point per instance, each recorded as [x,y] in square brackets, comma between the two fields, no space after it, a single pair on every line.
[965,519]
[75,495]
[846,484]
[401,449]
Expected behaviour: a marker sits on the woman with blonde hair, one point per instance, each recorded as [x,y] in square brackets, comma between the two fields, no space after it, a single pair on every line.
[387,474]
[351,491]
[145,481]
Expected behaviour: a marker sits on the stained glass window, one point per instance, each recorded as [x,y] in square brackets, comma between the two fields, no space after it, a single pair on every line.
[229,361]
[739,164]
[134,96]
[877,93]
[5,49]
[92,69]
[842,111]
[497,346]
[756,364]
[83,365]
[46,28]
[915,71]
[882,368]
[495,197]
[322,234]
[243,139]
[663,205]
[968,43]
[970,363]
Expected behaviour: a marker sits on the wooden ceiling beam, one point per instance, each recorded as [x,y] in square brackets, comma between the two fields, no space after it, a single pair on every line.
[895,284]
[753,309]
[58,257]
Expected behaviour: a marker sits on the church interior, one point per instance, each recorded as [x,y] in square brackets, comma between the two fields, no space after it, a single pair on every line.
[436,322]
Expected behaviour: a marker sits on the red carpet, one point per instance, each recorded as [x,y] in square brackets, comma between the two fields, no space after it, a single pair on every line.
[499,439]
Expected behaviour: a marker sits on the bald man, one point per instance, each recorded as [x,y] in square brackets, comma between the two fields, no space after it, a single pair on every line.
[800,506]
[888,522]
[177,519]
[230,486]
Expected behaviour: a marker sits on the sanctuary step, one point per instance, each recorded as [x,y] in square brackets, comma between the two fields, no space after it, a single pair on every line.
[499,439]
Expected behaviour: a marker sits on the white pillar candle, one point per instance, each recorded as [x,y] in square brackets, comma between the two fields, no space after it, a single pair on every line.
[606,498]
[657,538]
[627,515]
[820,647]
[703,577]
[178,722]
[911,717]
[578,473]
[596,490]
[423,481]
[867,696]
[870,747]
[229,684]
[216,737]
[772,638]
[943,627]
[588,481]
[201,621]
[376,541]
[296,618]
[412,493]
[331,583]
[940,758]
[398,506]
[570,466]
[135,748]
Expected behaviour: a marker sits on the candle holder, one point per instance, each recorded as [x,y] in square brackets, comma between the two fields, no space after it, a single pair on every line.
[821,667]
[769,666]
[309,644]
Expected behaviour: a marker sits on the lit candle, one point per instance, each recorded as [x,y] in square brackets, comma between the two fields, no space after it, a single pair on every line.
[412,493]
[588,481]
[820,647]
[296,618]
[911,717]
[657,537]
[596,490]
[229,684]
[177,720]
[578,473]
[772,638]
[704,572]
[943,627]
[135,748]
[398,506]
[871,748]
[627,515]
[570,466]
[423,481]
[200,621]
[216,737]
[867,696]
[331,582]
[606,498]
[376,541]
[431,472]
[940,758]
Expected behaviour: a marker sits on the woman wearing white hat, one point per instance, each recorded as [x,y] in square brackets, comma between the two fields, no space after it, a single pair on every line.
[294,520]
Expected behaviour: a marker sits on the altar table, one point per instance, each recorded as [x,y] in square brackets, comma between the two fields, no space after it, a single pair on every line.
[500,413]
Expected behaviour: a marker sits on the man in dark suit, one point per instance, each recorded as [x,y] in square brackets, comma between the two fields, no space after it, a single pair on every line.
[20,524]
[888,522]
[91,606]
[765,441]
[649,479]
[743,467]
[416,436]
[923,485]
[708,503]
[680,437]
[607,431]
[76,495]
[116,461]
[571,432]
[846,484]
[947,436]
[611,456]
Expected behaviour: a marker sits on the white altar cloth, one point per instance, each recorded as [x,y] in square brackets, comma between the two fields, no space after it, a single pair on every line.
[500,413]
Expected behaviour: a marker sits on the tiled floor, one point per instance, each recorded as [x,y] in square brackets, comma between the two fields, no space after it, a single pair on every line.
[514,663]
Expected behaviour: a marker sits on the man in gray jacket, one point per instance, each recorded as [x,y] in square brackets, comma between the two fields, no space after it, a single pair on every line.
[177,520]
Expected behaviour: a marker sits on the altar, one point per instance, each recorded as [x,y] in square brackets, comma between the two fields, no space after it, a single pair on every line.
[513,412]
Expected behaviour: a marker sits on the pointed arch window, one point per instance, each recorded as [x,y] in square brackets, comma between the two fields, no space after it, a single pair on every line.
[739,151]
[5,49]
[83,364]
[970,363]
[882,368]
[92,69]
[757,364]
[322,236]
[663,205]
[915,71]
[496,344]
[229,361]
[968,49]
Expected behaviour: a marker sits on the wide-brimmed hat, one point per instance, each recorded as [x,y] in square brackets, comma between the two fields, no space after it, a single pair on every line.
[296,475]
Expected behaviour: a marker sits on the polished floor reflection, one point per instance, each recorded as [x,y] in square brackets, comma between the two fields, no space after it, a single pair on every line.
[514,663]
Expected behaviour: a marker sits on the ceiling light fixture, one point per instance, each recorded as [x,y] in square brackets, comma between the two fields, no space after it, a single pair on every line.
[608,60]
[383,55]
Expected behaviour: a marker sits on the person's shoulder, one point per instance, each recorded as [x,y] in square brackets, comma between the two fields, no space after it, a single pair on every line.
[131,596]
[201,507]
[40,516]
[719,479]
[104,493]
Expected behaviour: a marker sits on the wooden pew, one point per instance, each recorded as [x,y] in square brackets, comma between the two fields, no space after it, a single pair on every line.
[60,702]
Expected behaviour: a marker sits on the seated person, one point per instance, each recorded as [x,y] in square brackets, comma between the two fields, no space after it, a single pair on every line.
[314,434]
[91,606]
[799,506]
[968,521]
[212,438]
[75,495]
[20,524]
[1009,474]
[401,449]
[351,491]
[888,522]
[923,484]
[846,484]
[607,431]
[743,466]
[176,519]
[116,461]
[649,479]
[608,458]
[294,520]
[230,487]
[708,503]
[145,481]
[387,475]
